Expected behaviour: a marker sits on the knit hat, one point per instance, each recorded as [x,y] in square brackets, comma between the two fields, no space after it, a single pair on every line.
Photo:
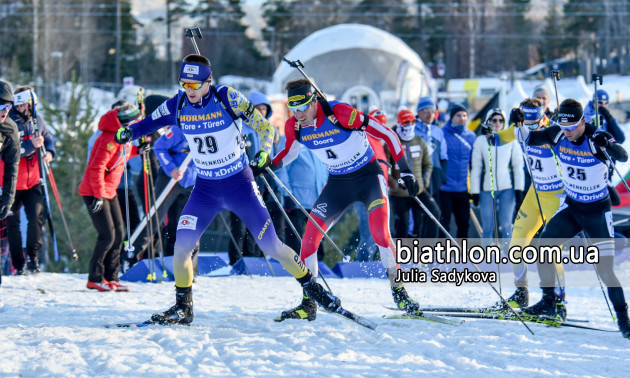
[456,108]
[6,94]
[425,102]
[127,114]
[404,116]
[378,114]
[602,95]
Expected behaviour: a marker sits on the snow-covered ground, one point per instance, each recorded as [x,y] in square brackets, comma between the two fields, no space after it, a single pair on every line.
[51,325]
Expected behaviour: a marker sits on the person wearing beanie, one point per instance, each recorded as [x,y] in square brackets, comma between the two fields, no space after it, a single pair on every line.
[102,176]
[608,123]
[579,148]
[211,117]
[417,155]
[427,129]
[338,135]
[36,143]
[9,153]
[606,120]
[454,198]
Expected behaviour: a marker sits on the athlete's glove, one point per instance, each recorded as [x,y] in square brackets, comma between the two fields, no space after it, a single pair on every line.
[517,116]
[475,199]
[123,135]
[409,182]
[602,139]
[96,206]
[260,162]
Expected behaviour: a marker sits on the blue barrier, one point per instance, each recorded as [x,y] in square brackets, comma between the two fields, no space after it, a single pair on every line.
[364,269]
[140,272]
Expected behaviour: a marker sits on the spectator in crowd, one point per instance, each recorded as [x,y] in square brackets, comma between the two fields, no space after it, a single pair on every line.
[434,138]
[98,188]
[36,144]
[417,154]
[496,178]
[454,197]
[9,155]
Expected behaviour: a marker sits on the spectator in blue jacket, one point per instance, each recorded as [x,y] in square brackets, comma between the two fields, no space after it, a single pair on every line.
[454,197]
[433,136]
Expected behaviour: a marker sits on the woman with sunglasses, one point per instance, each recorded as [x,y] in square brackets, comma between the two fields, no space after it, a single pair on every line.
[212,119]
[496,175]
[337,134]
[586,207]
[9,153]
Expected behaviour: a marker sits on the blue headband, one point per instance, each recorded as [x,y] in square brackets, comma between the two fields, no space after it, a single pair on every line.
[193,71]
[532,114]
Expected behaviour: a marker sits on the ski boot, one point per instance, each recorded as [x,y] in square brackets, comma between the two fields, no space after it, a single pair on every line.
[306,310]
[520,299]
[623,322]
[550,306]
[181,312]
[404,302]
[33,266]
[317,292]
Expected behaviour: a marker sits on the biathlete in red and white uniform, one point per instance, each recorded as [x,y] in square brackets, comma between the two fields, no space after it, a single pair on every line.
[337,134]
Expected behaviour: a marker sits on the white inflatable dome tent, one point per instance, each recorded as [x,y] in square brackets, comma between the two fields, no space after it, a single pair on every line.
[361,65]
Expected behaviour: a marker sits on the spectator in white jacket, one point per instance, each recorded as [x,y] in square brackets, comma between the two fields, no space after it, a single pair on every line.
[496,179]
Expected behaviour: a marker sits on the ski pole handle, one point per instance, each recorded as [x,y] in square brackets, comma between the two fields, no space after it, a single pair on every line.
[297,64]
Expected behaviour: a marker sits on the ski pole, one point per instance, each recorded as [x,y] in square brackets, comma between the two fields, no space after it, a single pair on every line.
[192,33]
[286,216]
[129,246]
[151,276]
[601,286]
[597,78]
[473,264]
[529,170]
[494,208]
[53,185]
[297,64]
[556,77]
[268,170]
[41,153]
[158,222]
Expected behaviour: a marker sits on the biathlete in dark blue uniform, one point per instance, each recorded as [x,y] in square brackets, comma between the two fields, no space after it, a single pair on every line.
[578,147]
[337,134]
[211,119]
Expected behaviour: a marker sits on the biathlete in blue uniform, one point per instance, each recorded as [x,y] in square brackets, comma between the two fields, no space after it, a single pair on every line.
[586,207]
[337,134]
[211,119]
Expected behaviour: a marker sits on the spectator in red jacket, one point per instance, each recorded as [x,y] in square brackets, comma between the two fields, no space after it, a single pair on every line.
[98,188]
[35,141]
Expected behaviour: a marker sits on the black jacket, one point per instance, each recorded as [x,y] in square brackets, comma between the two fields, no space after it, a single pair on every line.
[10,155]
